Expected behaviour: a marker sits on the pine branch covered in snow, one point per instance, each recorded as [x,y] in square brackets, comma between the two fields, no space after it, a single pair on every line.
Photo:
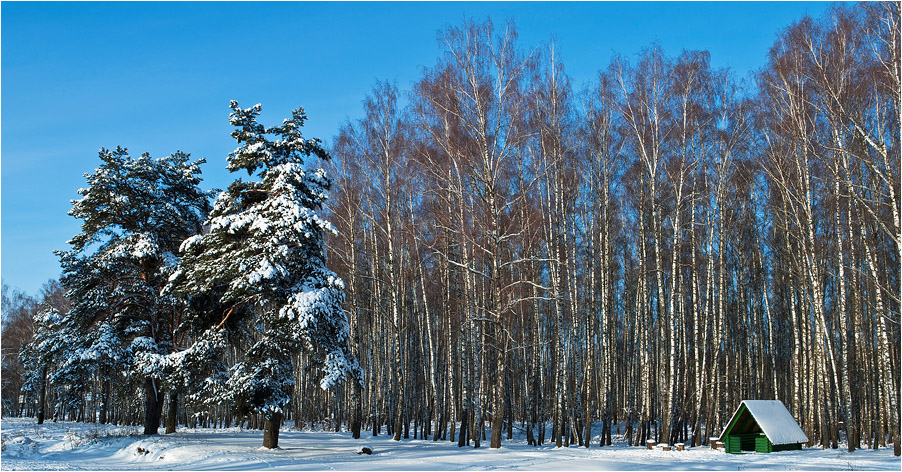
[260,272]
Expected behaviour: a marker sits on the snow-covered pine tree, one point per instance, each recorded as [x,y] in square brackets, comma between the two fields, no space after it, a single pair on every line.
[39,355]
[262,258]
[135,214]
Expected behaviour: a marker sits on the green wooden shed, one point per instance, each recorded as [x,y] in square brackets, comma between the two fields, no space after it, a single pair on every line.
[762,426]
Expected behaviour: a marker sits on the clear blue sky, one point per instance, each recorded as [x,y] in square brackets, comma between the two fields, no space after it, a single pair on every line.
[158,77]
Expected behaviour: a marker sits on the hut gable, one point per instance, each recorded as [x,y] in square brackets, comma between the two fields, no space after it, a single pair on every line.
[767,417]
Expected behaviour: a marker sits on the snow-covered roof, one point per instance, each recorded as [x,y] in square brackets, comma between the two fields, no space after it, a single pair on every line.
[774,420]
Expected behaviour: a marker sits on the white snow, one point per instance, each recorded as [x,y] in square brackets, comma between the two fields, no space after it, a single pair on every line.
[170,259]
[256,147]
[775,421]
[79,446]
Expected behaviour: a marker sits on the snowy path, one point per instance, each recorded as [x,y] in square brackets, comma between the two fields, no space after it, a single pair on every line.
[67,446]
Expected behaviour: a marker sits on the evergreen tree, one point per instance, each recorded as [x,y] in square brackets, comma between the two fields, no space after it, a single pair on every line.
[40,354]
[135,213]
[262,264]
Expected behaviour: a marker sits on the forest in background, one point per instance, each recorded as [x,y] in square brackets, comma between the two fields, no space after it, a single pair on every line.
[639,255]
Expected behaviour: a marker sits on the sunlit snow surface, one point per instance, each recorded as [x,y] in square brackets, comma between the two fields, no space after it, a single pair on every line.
[78,446]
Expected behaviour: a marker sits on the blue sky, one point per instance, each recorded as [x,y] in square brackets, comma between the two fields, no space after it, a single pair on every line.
[158,77]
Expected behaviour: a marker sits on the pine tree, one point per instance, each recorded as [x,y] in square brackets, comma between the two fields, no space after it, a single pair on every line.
[135,213]
[39,355]
[262,262]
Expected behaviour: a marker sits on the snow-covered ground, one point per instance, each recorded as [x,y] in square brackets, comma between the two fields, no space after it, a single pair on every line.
[78,446]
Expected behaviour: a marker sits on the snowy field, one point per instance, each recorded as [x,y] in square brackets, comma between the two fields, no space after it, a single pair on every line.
[78,446]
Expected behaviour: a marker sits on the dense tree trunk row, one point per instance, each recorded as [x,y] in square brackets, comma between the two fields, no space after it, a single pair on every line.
[645,254]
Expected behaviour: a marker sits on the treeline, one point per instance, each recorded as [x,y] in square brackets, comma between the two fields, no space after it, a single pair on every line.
[644,253]
[18,311]
[631,258]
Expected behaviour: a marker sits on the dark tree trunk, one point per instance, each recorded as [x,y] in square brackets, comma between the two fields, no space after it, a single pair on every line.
[153,406]
[499,403]
[357,392]
[42,400]
[105,402]
[462,436]
[172,419]
[271,431]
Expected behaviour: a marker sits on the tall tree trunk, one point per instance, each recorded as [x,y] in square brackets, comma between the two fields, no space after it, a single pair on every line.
[172,411]
[42,396]
[499,405]
[399,332]
[153,405]
[670,399]
[271,430]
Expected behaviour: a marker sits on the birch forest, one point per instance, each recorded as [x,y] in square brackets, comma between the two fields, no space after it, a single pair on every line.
[632,258]
[626,259]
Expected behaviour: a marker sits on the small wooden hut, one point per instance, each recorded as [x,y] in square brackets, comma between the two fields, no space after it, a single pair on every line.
[762,426]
